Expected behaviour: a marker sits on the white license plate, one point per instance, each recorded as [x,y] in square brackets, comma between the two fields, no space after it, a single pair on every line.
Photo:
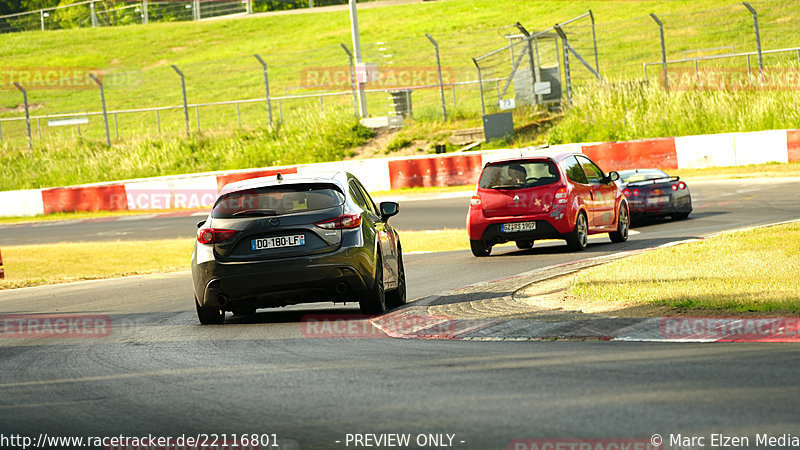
[517,226]
[278,242]
[657,200]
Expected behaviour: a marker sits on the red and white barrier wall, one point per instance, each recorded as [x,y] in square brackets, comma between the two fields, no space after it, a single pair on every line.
[200,190]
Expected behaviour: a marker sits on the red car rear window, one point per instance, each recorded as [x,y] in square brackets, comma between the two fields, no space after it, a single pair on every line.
[518,174]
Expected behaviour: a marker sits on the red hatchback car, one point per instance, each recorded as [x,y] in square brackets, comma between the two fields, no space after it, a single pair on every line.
[553,196]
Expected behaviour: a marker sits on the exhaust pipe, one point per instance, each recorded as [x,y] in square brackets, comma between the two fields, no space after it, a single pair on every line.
[341,288]
[222,300]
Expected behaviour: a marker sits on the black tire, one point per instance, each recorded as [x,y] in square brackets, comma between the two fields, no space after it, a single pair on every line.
[623,225]
[577,238]
[397,297]
[479,248]
[525,244]
[680,216]
[209,316]
[374,300]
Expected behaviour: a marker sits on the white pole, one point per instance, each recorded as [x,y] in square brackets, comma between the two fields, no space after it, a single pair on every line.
[362,99]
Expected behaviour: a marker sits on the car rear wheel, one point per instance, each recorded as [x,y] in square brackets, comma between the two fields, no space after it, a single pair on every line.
[480,248]
[577,238]
[397,297]
[621,235]
[524,245]
[209,316]
[374,300]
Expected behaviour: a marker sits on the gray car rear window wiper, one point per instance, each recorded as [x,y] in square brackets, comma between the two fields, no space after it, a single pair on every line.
[255,212]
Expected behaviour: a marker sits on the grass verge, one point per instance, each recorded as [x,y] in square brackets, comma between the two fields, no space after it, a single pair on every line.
[32,265]
[748,271]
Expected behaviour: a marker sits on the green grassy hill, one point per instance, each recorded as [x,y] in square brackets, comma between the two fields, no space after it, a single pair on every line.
[216,57]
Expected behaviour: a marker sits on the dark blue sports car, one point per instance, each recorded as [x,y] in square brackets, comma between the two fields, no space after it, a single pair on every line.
[652,192]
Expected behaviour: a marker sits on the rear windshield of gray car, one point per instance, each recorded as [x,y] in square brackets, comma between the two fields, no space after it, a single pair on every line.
[277,201]
[518,175]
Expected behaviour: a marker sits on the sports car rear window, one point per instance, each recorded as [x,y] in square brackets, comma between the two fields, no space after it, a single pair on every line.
[641,175]
[277,201]
[518,175]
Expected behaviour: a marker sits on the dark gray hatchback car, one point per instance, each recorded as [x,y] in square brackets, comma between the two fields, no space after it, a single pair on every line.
[284,240]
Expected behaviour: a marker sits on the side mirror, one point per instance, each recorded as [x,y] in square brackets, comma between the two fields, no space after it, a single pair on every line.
[613,176]
[201,223]
[389,209]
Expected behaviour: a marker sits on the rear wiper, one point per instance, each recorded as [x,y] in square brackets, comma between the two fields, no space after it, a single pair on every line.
[508,186]
[256,212]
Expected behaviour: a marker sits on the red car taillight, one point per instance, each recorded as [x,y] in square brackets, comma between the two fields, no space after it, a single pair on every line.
[214,235]
[344,221]
[475,200]
[681,185]
[561,196]
[636,192]
[626,192]
[674,187]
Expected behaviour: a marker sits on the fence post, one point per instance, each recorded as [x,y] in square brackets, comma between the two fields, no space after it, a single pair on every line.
[663,49]
[145,13]
[534,77]
[183,91]
[480,86]
[567,73]
[352,80]
[594,41]
[103,101]
[439,69]
[94,14]
[249,6]
[196,9]
[27,114]
[158,122]
[758,35]
[41,17]
[266,86]
[116,126]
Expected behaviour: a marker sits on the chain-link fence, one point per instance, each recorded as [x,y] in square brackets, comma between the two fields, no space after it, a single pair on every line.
[437,76]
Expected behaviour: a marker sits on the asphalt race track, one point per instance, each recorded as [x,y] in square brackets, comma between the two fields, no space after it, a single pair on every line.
[161,373]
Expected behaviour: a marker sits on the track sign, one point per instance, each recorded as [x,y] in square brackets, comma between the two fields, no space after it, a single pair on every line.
[541,88]
[506,104]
